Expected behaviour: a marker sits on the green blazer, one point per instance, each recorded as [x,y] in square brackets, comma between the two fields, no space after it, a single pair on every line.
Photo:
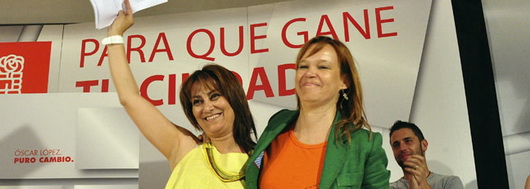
[361,164]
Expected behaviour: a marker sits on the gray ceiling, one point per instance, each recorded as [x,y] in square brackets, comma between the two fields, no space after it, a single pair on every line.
[14,12]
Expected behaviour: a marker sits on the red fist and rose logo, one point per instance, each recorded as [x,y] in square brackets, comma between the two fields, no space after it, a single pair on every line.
[11,67]
[24,67]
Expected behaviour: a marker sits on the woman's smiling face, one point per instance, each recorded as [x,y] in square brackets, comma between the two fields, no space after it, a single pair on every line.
[318,76]
[212,111]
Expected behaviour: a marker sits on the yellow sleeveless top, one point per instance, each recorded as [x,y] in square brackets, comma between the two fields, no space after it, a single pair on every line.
[194,171]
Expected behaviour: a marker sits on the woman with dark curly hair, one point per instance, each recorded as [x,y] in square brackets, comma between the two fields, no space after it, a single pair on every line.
[213,101]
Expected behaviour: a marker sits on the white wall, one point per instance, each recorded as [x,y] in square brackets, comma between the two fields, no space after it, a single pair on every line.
[439,106]
[507,26]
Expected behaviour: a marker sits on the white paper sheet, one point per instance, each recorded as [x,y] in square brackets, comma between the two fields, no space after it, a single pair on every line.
[105,11]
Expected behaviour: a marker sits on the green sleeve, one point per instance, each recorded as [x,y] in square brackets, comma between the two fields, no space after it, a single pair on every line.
[376,175]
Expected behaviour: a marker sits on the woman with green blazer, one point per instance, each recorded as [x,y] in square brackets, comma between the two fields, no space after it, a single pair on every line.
[327,142]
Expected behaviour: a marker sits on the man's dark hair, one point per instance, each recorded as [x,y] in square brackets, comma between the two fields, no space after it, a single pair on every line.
[403,124]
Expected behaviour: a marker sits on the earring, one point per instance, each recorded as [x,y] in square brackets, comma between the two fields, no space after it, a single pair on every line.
[344,95]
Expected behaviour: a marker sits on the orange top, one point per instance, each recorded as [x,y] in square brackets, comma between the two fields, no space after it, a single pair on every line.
[288,163]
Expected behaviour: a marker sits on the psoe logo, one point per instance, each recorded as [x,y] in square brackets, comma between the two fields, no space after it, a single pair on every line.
[11,67]
[24,67]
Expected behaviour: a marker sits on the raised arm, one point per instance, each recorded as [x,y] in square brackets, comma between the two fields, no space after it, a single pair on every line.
[172,141]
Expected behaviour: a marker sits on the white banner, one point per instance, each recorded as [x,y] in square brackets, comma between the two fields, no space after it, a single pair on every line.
[260,44]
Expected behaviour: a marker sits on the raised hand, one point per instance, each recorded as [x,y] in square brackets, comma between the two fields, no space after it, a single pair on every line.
[123,22]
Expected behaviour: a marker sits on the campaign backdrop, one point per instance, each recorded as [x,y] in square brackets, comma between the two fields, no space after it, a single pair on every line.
[260,44]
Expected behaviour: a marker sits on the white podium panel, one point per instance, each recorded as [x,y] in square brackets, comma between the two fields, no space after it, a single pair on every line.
[39,133]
